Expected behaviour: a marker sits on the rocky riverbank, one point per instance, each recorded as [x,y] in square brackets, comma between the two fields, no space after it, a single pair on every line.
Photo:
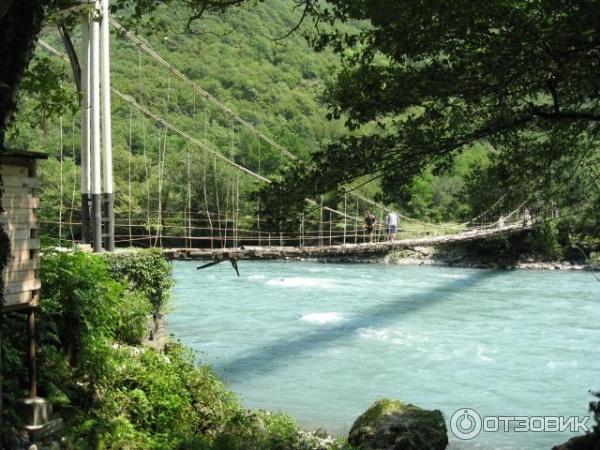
[432,256]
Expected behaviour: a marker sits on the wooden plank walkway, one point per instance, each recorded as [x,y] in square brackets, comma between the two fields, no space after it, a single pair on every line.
[340,250]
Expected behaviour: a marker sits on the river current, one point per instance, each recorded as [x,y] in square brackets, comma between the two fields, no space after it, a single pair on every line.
[323,341]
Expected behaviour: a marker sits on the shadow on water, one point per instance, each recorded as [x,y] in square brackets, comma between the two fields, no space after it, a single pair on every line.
[284,351]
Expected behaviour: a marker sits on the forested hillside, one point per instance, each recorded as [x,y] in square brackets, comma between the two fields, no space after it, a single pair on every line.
[276,85]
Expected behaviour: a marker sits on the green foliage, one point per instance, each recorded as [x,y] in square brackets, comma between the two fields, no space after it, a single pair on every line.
[147,271]
[50,90]
[274,87]
[114,395]
[256,431]
[156,401]
[83,312]
[504,247]
[544,241]
[81,301]
[278,89]
[594,259]
[416,93]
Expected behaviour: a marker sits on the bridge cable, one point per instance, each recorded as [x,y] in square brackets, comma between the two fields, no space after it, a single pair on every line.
[131,101]
[217,154]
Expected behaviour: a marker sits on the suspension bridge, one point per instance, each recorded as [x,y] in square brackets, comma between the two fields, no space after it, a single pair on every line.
[189,161]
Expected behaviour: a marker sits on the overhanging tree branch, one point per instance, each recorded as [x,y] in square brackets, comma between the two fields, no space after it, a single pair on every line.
[566,115]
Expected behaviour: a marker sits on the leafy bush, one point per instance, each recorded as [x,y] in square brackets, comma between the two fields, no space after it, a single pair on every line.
[113,395]
[594,259]
[256,431]
[154,400]
[147,271]
[83,311]
[545,241]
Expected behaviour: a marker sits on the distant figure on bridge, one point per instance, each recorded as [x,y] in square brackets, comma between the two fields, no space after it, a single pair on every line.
[526,217]
[370,222]
[501,221]
[553,210]
[391,222]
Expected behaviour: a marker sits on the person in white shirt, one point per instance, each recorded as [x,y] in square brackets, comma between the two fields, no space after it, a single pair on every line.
[526,217]
[391,222]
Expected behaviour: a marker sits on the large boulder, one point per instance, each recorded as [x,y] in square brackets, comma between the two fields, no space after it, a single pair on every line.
[393,425]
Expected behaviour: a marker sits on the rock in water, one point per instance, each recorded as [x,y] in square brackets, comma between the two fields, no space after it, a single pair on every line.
[393,425]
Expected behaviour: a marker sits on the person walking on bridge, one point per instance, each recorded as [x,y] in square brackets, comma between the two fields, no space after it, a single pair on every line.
[391,222]
[370,222]
[526,217]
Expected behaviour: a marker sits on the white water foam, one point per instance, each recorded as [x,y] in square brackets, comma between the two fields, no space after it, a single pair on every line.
[257,277]
[454,276]
[482,357]
[323,318]
[396,337]
[300,282]
[561,364]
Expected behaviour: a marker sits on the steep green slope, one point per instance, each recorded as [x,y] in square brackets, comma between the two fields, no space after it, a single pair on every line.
[273,84]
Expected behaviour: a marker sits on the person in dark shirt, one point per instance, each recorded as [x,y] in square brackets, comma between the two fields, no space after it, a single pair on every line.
[370,222]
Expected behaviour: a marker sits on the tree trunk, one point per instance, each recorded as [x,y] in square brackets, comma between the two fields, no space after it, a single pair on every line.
[20,23]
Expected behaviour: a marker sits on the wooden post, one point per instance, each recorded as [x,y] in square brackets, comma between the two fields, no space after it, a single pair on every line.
[321,226]
[32,353]
[301,230]
[330,241]
[258,214]
[345,219]
[356,223]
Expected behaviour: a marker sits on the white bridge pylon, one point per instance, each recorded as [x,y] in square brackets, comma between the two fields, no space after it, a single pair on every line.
[97,200]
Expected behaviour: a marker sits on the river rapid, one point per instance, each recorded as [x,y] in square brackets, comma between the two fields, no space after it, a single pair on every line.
[323,341]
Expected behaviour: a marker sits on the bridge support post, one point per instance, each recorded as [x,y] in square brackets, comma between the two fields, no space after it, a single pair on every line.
[96,145]
[85,130]
[96,188]
[106,126]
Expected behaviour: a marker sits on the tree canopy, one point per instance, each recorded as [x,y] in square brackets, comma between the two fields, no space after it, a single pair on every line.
[423,81]
[22,20]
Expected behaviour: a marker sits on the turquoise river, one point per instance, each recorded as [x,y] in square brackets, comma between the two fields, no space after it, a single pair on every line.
[323,341]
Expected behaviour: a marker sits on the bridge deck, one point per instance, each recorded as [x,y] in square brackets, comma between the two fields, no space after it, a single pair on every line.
[364,249]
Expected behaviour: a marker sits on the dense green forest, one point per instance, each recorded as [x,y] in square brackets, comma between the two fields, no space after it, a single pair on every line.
[165,182]
[275,85]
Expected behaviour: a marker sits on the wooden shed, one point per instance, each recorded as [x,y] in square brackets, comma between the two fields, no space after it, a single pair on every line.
[20,201]
[20,277]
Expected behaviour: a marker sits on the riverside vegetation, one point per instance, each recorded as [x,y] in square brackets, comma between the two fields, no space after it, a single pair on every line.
[114,393]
